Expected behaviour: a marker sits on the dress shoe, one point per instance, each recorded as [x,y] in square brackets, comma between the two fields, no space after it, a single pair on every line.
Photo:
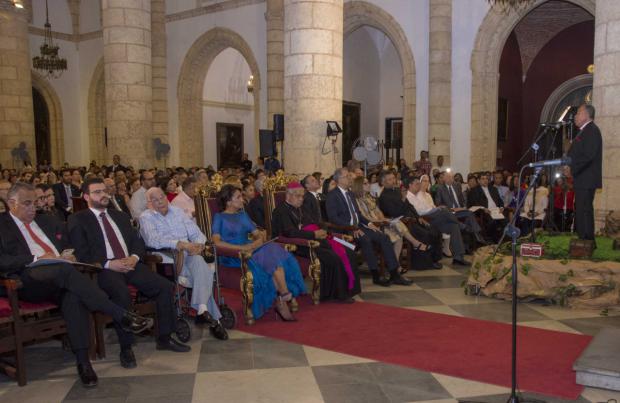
[172,345]
[283,311]
[218,331]
[400,280]
[437,266]
[134,323]
[128,359]
[205,318]
[383,282]
[87,375]
[461,262]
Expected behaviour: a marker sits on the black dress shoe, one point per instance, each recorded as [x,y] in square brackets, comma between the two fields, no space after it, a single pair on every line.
[171,344]
[383,282]
[461,262]
[205,319]
[400,280]
[218,331]
[87,374]
[437,266]
[128,359]
[134,323]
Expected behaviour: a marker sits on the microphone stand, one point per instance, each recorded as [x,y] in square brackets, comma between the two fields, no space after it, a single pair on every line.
[513,232]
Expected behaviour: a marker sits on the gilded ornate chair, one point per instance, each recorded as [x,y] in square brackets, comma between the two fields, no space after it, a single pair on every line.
[274,195]
[229,277]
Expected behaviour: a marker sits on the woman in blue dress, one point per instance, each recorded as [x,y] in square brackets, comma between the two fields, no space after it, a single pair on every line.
[276,272]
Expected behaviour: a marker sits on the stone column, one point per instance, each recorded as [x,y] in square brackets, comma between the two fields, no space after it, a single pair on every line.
[158,57]
[127,65]
[607,103]
[16,113]
[440,74]
[275,59]
[313,41]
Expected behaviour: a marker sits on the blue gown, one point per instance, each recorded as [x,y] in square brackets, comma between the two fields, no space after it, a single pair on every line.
[234,229]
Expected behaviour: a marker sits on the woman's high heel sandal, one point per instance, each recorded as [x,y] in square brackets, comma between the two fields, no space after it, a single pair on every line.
[283,312]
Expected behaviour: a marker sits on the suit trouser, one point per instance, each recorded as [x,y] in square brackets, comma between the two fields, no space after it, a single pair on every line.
[470,220]
[76,294]
[152,285]
[584,213]
[200,275]
[447,223]
[430,236]
[371,237]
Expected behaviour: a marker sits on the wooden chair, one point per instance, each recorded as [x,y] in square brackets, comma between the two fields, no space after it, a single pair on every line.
[310,267]
[24,323]
[229,277]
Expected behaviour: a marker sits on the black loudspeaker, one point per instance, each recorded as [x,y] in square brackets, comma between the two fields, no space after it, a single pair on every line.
[278,127]
[267,143]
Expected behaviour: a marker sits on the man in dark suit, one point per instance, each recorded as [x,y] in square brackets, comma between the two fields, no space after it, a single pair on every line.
[392,205]
[116,201]
[451,196]
[64,191]
[116,164]
[311,206]
[487,196]
[586,153]
[26,238]
[338,282]
[342,210]
[105,236]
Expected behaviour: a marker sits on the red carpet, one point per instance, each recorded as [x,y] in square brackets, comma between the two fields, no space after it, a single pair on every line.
[463,347]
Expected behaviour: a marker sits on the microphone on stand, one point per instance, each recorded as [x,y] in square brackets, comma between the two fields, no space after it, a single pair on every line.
[560,161]
[555,125]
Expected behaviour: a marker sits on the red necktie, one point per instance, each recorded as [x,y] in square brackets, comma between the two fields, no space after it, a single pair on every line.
[115,244]
[39,241]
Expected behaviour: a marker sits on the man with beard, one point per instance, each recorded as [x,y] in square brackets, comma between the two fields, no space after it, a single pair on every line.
[104,236]
[46,203]
[339,278]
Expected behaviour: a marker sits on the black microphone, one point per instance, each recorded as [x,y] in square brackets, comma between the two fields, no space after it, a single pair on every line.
[560,161]
[556,125]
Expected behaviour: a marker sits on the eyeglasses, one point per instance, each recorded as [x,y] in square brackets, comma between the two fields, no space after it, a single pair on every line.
[99,191]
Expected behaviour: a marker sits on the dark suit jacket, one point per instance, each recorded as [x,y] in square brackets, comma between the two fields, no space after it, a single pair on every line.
[60,196]
[586,155]
[14,251]
[443,198]
[476,197]
[88,240]
[338,208]
[311,210]
[256,210]
[118,168]
[392,205]
[121,202]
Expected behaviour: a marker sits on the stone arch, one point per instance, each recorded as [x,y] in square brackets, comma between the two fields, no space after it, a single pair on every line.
[584,80]
[97,115]
[358,13]
[194,70]
[57,136]
[490,41]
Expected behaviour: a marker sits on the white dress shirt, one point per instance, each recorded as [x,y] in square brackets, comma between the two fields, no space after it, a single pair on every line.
[491,202]
[34,247]
[422,201]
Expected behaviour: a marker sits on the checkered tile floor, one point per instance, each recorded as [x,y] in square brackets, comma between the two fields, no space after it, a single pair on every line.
[256,369]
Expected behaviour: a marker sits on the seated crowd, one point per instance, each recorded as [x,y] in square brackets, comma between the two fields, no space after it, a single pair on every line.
[124,211]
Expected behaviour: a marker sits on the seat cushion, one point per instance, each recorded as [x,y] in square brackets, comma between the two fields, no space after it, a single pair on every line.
[25,307]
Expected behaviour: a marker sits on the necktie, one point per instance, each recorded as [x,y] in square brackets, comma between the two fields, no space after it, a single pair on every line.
[352,210]
[318,206]
[69,196]
[454,197]
[115,244]
[38,240]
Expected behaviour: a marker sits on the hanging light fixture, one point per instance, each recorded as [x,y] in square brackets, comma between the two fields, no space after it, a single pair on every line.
[48,62]
[508,4]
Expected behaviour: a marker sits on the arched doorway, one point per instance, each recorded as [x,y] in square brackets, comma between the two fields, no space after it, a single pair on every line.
[49,135]
[194,70]
[358,14]
[485,63]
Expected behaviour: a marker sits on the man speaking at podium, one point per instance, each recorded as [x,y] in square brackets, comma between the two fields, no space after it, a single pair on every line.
[586,153]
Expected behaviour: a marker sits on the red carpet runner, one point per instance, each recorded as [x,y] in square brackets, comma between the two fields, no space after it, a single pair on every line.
[463,347]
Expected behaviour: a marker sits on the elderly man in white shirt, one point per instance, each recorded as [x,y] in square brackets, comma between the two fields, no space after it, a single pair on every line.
[163,226]
[137,204]
[438,217]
